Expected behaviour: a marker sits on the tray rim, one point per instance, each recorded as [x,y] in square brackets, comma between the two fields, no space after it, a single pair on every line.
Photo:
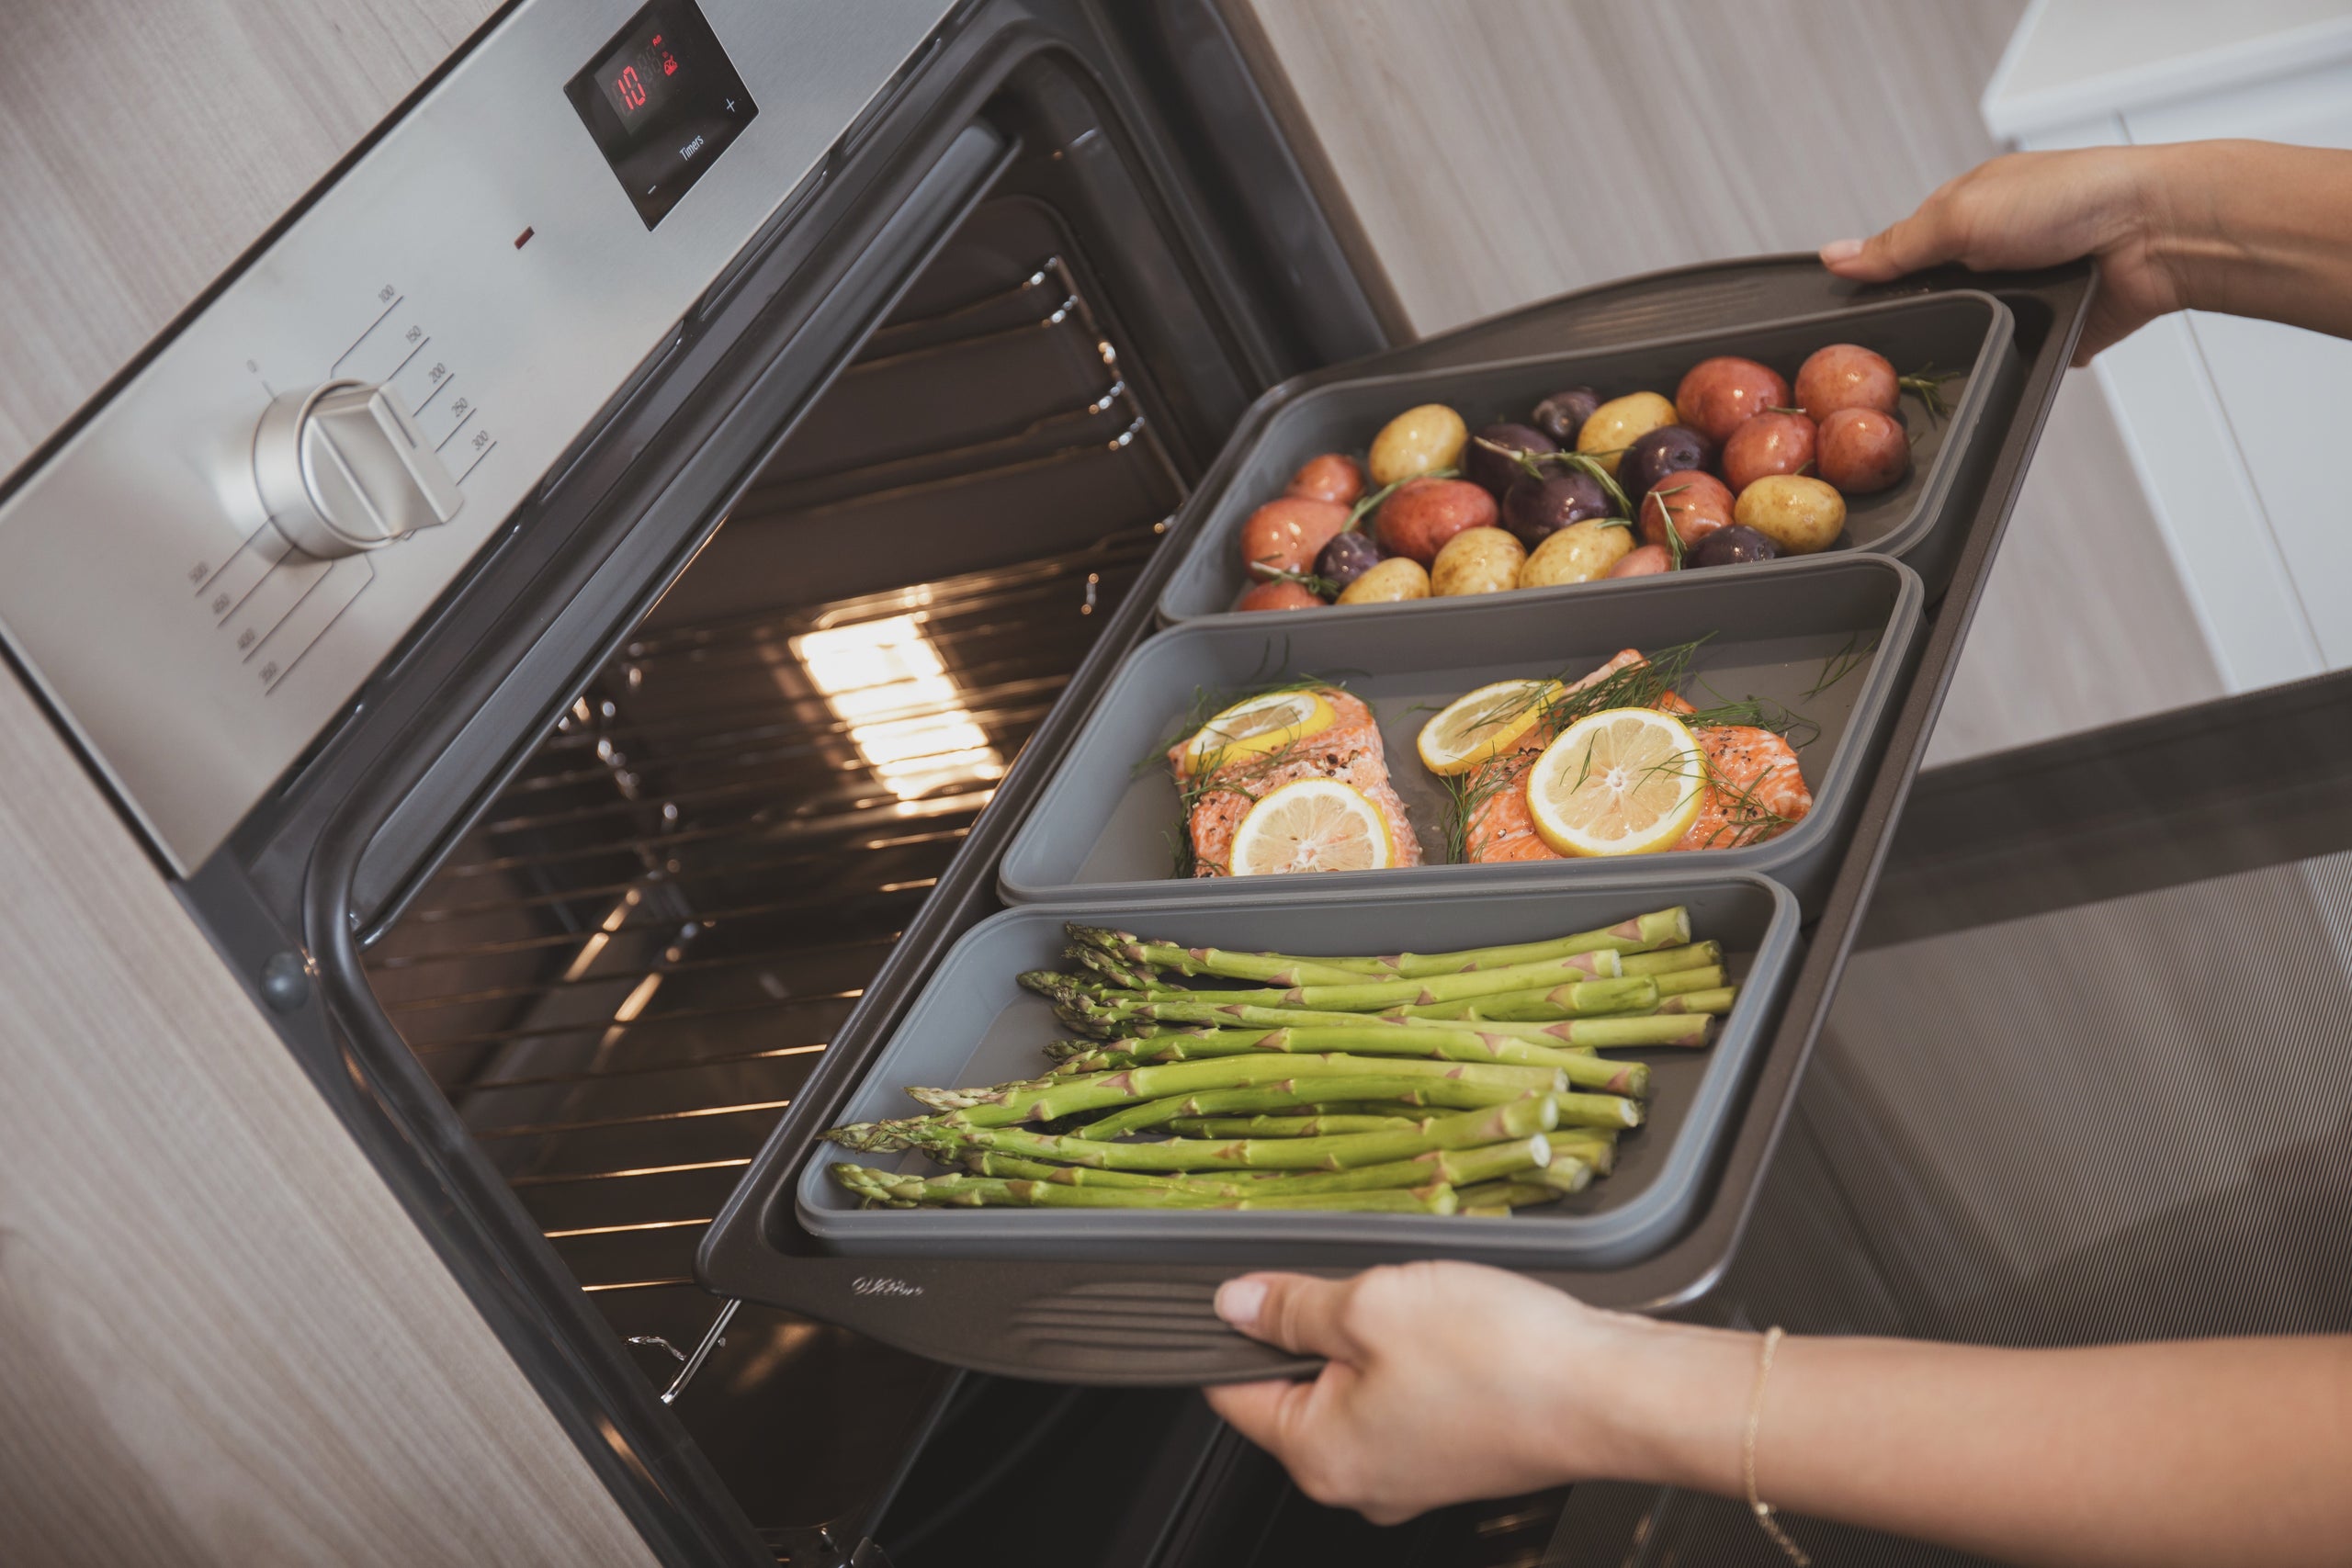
[1189,531]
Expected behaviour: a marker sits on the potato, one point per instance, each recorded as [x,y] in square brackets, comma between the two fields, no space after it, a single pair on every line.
[1424,514]
[1618,423]
[1798,513]
[1392,581]
[1418,441]
[1477,560]
[1643,560]
[1577,553]
[1280,596]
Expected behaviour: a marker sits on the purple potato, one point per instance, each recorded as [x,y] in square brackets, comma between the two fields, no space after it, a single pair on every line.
[1732,547]
[1562,415]
[1668,449]
[1348,556]
[1494,472]
[1534,510]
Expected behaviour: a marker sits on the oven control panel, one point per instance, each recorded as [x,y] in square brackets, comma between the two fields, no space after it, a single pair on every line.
[203,575]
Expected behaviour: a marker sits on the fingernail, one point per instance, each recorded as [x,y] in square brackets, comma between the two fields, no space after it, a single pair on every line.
[1841,250]
[1237,1301]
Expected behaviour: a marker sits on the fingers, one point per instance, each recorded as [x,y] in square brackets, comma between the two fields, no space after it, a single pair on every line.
[1301,1315]
[1265,1413]
[1925,238]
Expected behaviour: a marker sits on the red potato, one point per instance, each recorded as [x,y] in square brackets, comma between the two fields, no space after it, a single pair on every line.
[1643,560]
[1769,443]
[1863,450]
[1279,596]
[1846,376]
[1416,521]
[1288,533]
[1700,504]
[1331,477]
[1717,396]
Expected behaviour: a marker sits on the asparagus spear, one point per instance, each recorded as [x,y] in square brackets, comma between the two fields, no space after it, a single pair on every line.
[1313,1127]
[1715,1001]
[1681,982]
[981,1191]
[1270,968]
[1499,1197]
[1596,1146]
[1371,996]
[1211,1010]
[1363,1037]
[1666,960]
[1451,1166]
[1536,1006]
[1469,1129]
[1664,927]
[1042,1100]
[1257,1099]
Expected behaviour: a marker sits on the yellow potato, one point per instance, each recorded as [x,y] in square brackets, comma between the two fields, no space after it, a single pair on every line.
[1418,441]
[1618,423]
[1390,583]
[1476,560]
[1798,513]
[1579,553]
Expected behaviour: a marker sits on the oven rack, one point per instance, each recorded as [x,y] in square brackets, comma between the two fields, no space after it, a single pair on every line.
[627,970]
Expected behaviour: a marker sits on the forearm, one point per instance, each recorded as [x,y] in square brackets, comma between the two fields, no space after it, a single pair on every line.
[2232,1450]
[2255,229]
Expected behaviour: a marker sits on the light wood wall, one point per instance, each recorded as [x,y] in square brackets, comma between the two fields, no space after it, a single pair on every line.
[1499,150]
[144,145]
[221,1342]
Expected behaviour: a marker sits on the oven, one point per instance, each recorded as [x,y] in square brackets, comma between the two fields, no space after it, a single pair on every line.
[586,600]
[569,591]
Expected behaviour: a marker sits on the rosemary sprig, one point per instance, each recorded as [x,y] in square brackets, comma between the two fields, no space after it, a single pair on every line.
[1367,504]
[1665,511]
[1927,384]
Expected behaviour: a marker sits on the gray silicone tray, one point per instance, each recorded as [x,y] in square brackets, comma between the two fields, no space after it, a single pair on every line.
[971,1024]
[1103,828]
[1954,331]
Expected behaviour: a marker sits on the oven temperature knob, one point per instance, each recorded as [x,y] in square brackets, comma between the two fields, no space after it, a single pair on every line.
[342,467]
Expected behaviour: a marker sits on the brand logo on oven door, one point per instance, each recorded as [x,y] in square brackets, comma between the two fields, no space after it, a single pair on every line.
[882,1285]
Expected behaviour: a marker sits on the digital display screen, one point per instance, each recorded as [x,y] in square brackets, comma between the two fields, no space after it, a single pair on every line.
[661,102]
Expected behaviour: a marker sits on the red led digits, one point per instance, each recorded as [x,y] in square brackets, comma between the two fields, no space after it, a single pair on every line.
[631,90]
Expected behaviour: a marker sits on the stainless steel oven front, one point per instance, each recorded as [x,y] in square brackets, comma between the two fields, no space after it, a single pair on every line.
[477,600]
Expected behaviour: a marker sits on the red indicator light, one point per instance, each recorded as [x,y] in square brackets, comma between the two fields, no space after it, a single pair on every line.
[669,65]
[523,238]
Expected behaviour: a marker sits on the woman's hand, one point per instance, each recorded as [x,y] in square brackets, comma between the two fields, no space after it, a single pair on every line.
[2246,227]
[1449,1380]
[2038,209]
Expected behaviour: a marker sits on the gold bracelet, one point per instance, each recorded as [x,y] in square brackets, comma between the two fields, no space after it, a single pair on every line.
[1757,1505]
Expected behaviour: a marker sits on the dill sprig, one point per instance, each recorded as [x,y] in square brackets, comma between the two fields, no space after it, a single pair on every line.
[1467,793]
[1853,656]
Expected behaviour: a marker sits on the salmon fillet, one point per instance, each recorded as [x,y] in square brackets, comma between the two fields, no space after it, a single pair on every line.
[1754,790]
[1752,780]
[1351,752]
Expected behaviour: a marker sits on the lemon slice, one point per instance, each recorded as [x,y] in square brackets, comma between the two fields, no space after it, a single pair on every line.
[1624,782]
[1256,726]
[1487,723]
[1313,825]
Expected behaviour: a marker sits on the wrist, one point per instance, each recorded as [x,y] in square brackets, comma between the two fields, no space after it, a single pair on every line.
[1671,1405]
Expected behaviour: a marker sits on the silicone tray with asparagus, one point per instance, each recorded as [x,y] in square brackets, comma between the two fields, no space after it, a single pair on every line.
[1466,1082]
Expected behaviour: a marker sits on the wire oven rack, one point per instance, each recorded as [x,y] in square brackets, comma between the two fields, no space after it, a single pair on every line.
[628,969]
